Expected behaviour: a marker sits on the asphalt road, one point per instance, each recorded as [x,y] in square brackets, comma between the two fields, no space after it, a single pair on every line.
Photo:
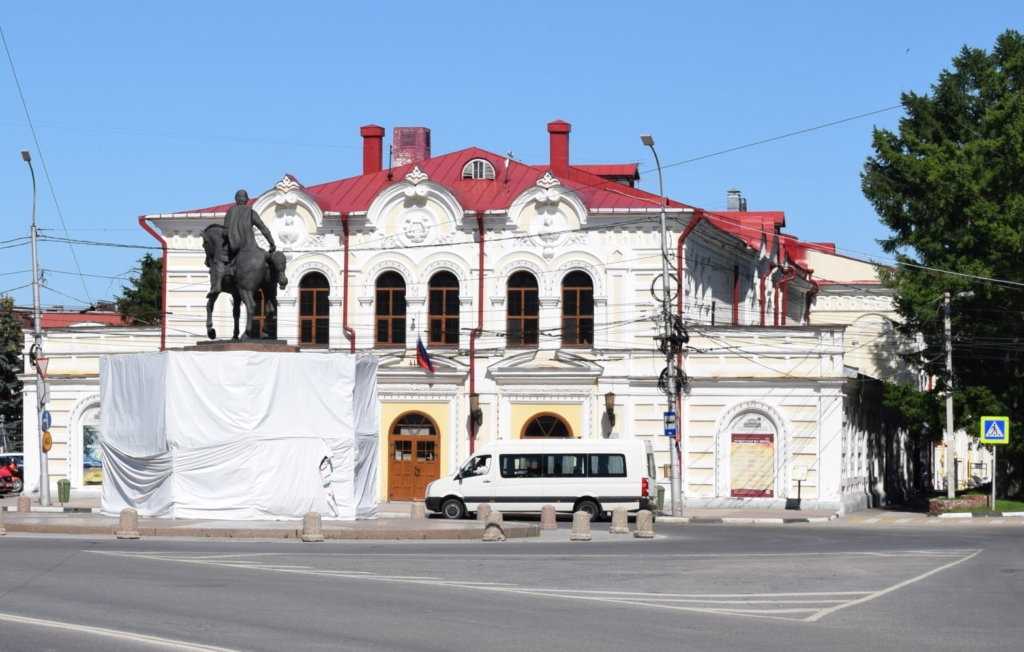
[701,587]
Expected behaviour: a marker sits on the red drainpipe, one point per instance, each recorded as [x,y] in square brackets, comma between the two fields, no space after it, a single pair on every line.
[475,333]
[349,333]
[163,290]
[694,221]
[784,289]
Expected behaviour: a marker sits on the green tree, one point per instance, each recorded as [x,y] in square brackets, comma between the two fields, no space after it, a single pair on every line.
[11,343]
[142,300]
[949,184]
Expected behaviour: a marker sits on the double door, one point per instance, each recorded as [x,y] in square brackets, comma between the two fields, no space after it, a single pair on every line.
[413,460]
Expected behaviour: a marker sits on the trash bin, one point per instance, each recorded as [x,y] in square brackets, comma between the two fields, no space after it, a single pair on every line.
[661,498]
[64,491]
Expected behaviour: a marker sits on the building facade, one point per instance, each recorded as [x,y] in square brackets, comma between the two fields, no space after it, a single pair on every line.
[535,291]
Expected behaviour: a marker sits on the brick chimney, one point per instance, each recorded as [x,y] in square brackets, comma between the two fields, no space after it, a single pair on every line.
[558,132]
[373,148]
[409,145]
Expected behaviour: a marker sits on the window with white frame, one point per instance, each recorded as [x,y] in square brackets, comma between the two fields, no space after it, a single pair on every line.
[478,168]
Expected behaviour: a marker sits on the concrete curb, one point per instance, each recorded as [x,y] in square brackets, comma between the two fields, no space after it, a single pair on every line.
[36,509]
[339,534]
[978,515]
[742,520]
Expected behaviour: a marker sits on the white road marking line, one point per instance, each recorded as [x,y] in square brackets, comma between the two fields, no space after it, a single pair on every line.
[714,595]
[144,639]
[877,594]
[936,552]
[646,600]
[873,520]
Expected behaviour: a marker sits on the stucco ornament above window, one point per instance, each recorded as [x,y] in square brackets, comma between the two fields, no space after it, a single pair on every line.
[550,189]
[416,177]
[416,227]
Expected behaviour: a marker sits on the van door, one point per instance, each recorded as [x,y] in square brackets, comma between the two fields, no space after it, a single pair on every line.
[476,485]
[521,485]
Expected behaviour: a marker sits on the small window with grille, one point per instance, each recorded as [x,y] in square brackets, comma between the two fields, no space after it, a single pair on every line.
[478,168]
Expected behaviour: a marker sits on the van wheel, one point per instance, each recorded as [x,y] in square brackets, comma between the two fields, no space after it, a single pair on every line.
[453,508]
[589,506]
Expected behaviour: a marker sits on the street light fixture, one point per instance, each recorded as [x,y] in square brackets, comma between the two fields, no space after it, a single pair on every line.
[37,346]
[666,317]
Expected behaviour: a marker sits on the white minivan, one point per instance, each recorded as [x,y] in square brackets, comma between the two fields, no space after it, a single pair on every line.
[523,475]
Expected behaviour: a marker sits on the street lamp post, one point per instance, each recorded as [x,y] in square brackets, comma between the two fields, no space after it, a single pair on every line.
[666,326]
[950,440]
[37,346]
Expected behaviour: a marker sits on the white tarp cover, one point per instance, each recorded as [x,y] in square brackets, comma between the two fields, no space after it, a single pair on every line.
[239,435]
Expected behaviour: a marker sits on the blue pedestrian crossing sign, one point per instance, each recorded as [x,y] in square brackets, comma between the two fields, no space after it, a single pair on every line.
[995,430]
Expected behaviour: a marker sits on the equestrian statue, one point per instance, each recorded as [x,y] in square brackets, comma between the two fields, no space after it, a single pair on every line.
[241,268]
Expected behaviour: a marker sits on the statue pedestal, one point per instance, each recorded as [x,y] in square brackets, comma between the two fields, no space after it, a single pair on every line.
[263,346]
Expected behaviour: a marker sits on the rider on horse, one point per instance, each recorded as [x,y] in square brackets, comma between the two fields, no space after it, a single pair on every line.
[238,225]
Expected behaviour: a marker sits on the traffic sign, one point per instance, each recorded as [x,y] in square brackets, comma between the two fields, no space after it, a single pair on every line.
[47,441]
[670,424]
[995,430]
[46,420]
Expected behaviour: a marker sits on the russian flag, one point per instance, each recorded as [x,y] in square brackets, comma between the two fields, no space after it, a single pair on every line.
[422,357]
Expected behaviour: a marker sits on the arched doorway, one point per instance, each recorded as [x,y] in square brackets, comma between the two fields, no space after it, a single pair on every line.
[546,426]
[92,456]
[414,449]
[753,442]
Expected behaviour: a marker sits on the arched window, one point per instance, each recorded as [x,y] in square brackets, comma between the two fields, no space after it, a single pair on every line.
[259,317]
[92,454]
[523,310]
[546,425]
[314,311]
[478,168]
[390,311]
[444,310]
[577,310]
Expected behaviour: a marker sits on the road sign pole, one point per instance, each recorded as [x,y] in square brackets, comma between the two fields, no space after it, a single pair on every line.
[993,477]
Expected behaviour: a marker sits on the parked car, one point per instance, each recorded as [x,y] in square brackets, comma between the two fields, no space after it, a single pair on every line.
[595,476]
[12,473]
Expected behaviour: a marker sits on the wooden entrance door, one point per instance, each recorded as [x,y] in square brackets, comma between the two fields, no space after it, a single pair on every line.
[414,456]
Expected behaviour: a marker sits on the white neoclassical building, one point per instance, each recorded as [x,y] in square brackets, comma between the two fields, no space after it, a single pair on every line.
[531,288]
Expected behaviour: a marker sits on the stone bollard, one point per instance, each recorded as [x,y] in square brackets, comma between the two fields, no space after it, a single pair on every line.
[620,521]
[580,526]
[418,510]
[483,510]
[548,518]
[494,528]
[312,531]
[644,524]
[128,524]
[24,504]
[2,530]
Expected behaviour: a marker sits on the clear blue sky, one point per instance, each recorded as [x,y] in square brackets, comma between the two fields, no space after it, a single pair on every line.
[148,107]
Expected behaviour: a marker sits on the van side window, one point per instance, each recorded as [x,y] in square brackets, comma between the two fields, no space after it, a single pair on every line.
[479,465]
[607,466]
[521,466]
[565,466]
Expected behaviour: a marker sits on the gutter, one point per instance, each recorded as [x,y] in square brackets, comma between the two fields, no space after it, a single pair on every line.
[163,289]
[349,332]
[475,333]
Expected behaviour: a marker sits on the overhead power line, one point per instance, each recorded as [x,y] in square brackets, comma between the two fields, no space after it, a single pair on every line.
[42,159]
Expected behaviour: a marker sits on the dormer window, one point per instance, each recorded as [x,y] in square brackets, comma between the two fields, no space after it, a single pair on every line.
[478,168]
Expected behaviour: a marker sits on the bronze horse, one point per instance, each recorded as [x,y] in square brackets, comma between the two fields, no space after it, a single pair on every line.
[254,270]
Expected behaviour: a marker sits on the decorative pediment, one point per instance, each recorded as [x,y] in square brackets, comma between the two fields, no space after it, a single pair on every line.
[402,369]
[545,368]
[292,215]
[417,176]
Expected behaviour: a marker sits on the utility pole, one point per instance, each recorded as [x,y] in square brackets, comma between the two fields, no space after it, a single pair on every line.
[950,441]
[37,346]
[670,385]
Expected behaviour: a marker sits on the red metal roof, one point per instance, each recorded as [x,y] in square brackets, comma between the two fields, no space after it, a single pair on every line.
[64,319]
[620,170]
[355,194]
